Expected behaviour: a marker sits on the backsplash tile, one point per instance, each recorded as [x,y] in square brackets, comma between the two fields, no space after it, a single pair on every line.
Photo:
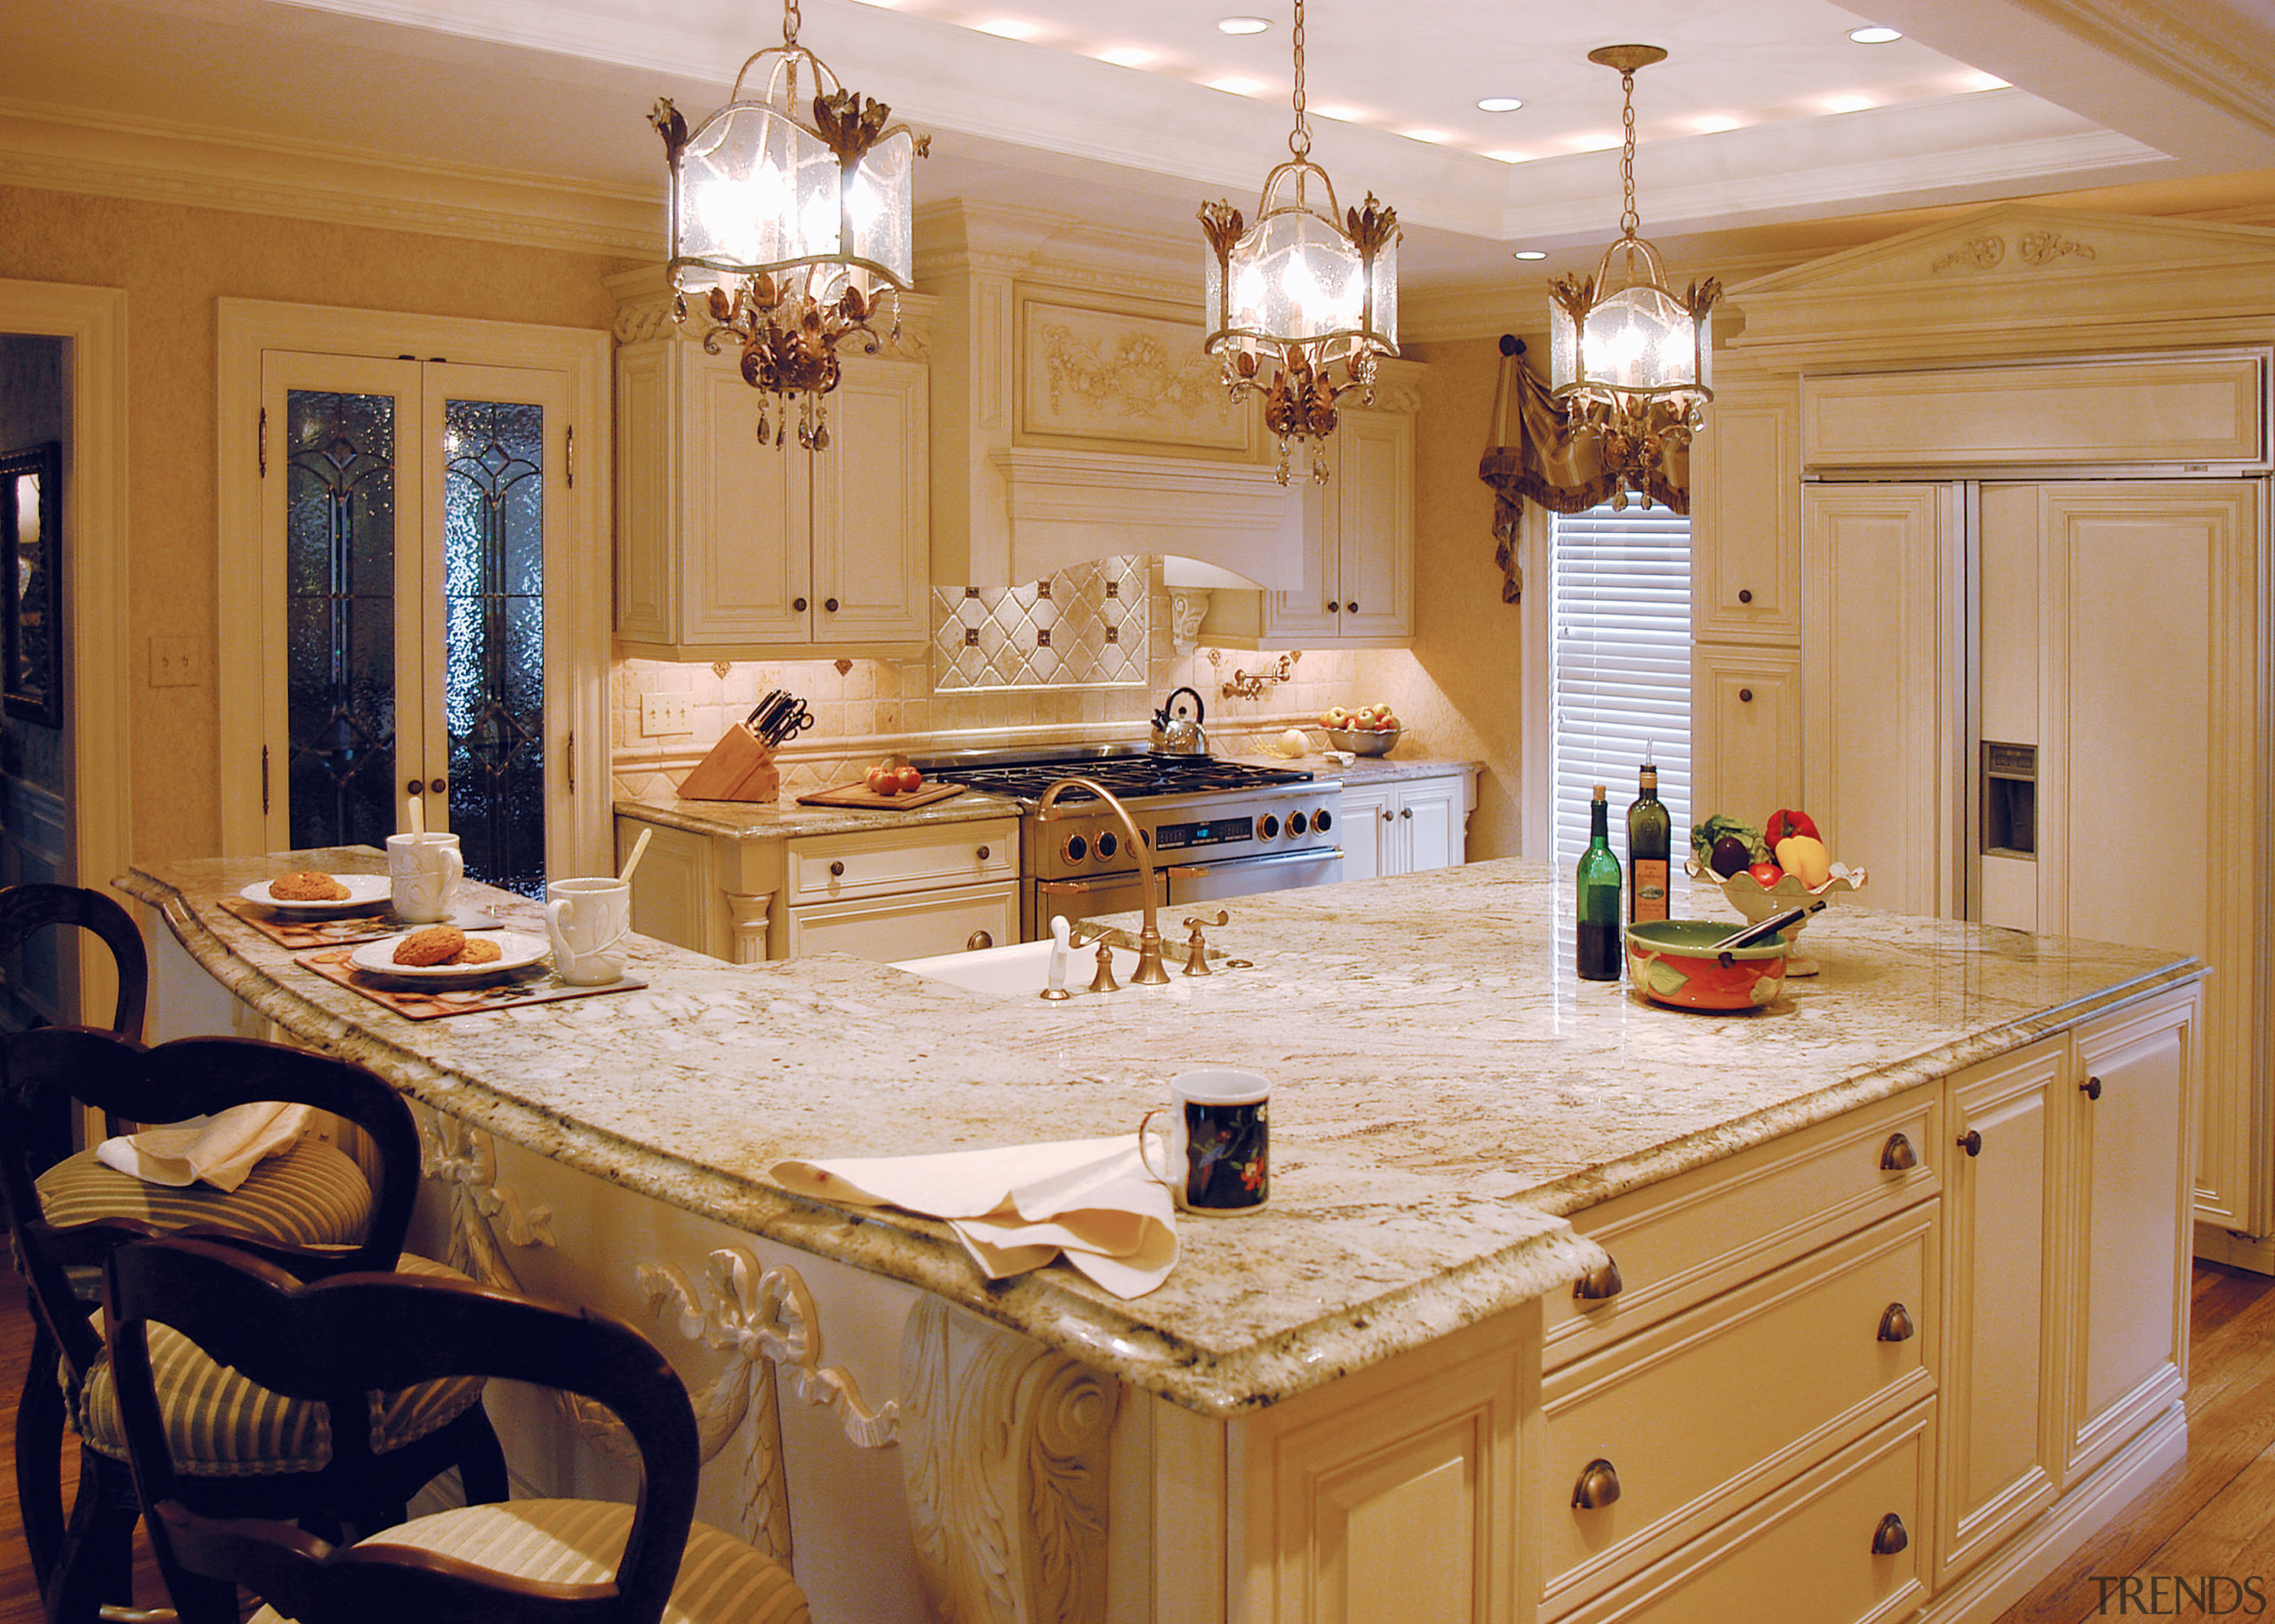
[1050,634]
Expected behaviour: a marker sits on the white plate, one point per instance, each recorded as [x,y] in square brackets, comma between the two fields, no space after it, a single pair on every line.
[363,890]
[516,951]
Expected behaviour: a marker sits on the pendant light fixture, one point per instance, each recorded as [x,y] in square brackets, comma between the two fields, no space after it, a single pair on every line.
[1301,304]
[1631,360]
[794,233]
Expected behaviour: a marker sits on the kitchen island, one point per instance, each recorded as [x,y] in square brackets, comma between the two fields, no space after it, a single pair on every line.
[1377,1382]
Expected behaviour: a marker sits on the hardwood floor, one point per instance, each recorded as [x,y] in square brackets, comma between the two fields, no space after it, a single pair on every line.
[2212,1516]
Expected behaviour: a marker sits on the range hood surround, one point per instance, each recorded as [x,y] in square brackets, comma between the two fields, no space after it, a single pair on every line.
[1067,507]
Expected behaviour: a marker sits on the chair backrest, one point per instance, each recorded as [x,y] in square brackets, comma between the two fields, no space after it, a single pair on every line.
[187,1078]
[338,1339]
[29,908]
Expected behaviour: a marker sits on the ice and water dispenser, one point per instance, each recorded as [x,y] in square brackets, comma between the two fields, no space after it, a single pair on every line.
[2009,800]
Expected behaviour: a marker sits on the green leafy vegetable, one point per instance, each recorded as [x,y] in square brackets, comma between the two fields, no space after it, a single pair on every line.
[1702,836]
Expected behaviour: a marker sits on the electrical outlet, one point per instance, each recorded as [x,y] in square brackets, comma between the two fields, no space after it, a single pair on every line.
[174,662]
[662,713]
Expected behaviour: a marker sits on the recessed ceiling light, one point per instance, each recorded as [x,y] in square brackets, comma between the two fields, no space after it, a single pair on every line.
[1531,253]
[1129,56]
[1847,104]
[1233,84]
[1010,28]
[1242,24]
[1498,103]
[1874,36]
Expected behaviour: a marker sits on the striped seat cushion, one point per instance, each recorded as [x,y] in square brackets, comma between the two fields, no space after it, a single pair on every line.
[721,1579]
[221,1425]
[312,1195]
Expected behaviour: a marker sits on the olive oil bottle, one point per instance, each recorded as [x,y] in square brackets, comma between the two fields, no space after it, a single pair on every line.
[1648,835]
[1597,910]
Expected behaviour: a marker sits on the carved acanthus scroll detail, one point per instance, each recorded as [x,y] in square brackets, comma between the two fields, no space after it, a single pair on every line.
[2043,248]
[1975,254]
[1134,374]
[1004,1459]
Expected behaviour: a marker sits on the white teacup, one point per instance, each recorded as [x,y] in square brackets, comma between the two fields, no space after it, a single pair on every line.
[1219,1142]
[425,869]
[588,920]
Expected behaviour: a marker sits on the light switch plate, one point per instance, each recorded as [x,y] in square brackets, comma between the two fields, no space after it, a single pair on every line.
[662,713]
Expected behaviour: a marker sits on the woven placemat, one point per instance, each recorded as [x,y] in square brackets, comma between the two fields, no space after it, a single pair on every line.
[300,933]
[537,984]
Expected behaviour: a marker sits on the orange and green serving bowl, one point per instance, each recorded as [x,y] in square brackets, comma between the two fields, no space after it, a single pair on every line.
[1668,962]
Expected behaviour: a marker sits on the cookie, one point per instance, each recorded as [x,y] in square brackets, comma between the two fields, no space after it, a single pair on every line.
[435,944]
[305,886]
[479,950]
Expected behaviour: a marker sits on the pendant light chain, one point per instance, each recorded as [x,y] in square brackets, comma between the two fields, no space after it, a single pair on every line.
[789,22]
[1299,140]
[1629,222]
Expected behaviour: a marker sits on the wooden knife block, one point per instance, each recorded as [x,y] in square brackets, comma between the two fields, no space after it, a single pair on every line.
[739,767]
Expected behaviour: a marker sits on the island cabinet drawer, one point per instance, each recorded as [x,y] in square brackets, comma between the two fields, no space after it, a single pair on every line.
[1820,1550]
[833,867]
[1679,1242]
[1667,1433]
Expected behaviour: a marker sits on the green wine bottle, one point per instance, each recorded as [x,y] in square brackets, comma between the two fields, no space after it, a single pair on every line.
[1598,912]
[1648,832]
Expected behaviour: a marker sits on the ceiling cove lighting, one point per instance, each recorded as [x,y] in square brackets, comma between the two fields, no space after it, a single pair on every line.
[1631,359]
[1875,36]
[793,233]
[1301,304]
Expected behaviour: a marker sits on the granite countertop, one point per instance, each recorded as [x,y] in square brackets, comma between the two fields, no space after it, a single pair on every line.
[1447,1093]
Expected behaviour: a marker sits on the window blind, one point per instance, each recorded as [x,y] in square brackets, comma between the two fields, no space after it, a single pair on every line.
[1619,613]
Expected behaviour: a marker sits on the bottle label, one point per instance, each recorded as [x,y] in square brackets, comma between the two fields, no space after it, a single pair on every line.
[1649,889]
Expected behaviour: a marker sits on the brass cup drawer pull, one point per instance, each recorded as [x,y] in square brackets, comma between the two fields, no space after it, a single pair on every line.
[1600,1284]
[1896,1325]
[1891,1536]
[1598,1488]
[977,942]
[1897,1156]
[2090,1088]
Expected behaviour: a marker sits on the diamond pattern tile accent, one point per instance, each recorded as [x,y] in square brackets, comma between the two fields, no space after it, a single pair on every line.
[1085,628]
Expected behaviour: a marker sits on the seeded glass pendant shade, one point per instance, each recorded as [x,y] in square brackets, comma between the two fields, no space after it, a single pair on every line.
[793,233]
[1301,304]
[1631,360]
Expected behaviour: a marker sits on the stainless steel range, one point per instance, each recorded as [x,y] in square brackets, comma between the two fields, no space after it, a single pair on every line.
[1218,828]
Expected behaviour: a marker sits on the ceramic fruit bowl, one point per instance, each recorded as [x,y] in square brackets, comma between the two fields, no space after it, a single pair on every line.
[1363,741]
[1756,902]
[1668,961]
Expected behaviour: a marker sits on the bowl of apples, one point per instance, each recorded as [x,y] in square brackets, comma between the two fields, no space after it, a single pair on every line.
[1767,870]
[1371,730]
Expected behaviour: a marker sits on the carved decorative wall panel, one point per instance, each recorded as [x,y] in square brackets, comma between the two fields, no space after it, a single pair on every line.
[1130,379]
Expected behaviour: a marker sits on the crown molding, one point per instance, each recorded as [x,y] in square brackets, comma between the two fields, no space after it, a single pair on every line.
[148,161]
[2153,36]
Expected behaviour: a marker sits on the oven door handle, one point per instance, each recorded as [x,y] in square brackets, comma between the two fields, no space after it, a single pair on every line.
[1083,887]
[1200,870]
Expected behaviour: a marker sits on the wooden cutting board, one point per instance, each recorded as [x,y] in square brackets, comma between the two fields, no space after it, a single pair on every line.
[862,795]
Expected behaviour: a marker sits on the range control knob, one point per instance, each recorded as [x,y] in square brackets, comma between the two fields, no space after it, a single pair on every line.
[1075,849]
[1297,823]
[1267,827]
[1322,820]
[1109,843]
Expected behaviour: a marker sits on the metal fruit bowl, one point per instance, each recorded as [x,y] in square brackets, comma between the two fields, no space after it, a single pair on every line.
[1756,902]
[1363,741]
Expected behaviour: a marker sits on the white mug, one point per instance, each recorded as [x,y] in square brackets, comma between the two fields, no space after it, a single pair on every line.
[588,920]
[424,870]
[1219,1142]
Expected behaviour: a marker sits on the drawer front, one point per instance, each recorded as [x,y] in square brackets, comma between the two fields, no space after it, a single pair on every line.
[1805,1555]
[887,928]
[1708,1410]
[832,867]
[1682,1240]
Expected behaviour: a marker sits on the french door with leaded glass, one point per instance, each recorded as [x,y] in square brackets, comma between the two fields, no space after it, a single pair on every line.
[405,511]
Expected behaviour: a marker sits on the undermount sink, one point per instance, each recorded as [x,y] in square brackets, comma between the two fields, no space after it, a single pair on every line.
[1019,970]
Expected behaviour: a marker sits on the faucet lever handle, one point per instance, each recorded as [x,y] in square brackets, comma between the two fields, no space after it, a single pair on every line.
[1196,948]
[1104,981]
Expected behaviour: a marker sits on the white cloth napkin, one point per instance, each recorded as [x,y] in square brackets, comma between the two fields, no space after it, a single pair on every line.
[1017,1207]
[223,1150]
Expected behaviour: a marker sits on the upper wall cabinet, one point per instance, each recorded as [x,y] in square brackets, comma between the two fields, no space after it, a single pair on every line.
[729,549]
[1745,545]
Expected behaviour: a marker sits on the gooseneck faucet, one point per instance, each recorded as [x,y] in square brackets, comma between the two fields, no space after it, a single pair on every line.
[1149,971]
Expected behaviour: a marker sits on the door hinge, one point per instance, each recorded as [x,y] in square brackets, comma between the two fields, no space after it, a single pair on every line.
[260,443]
[572,763]
[263,781]
[569,462]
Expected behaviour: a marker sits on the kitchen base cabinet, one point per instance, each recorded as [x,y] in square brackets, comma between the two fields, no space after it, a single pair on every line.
[1404,826]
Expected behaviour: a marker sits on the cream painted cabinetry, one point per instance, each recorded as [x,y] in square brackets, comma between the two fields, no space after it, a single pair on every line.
[894,893]
[1745,728]
[726,548]
[1405,825]
[1359,542]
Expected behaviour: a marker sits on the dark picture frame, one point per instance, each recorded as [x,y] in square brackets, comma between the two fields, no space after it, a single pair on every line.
[31,531]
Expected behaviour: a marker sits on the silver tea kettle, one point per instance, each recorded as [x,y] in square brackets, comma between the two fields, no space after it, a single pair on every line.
[1176,732]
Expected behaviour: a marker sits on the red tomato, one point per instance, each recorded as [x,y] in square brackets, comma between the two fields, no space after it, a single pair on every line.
[1767,874]
[907,778]
[1782,823]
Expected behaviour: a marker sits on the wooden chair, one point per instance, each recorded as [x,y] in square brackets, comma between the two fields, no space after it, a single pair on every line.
[526,1562]
[28,908]
[260,1453]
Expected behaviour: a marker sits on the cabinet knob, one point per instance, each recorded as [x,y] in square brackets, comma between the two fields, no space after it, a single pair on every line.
[1896,1325]
[1745,696]
[1386,818]
[1971,1143]
[1897,1156]
[1598,1488]
[412,788]
[2090,1088]
[1745,594]
[1333,608]
[799,605]
[983,854]
[837,871]
[438,785]
[978,941]
[1600,1284]
[1406,811]
[830,604]
[1890,1537]
[1351,607]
